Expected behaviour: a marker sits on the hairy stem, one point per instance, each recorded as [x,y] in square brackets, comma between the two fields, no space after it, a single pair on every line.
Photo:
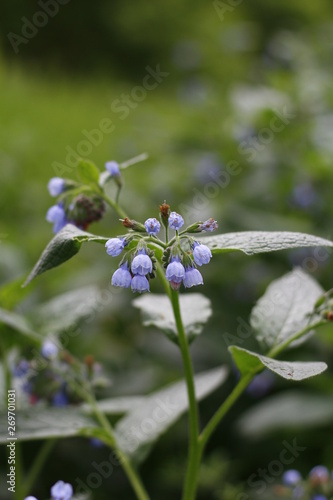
[193,408]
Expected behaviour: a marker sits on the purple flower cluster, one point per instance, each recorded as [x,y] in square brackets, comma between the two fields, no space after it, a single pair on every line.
[181,256]
[45,378]
[318,486]
[136,275]
[59,491]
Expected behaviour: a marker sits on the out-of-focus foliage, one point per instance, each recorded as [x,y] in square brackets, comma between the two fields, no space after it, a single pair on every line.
[217,147]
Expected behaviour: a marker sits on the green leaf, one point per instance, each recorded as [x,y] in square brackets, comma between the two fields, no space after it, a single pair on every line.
[20,324]
[252,242]
[45,423]
[140,428]
[88,173]
[157,311]
[295,410]
[285,309]
[65,311]
[247,361]
[64,245]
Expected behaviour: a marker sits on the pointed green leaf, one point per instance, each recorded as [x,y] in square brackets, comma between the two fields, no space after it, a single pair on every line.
[157,311]
[117,406]
[46,423]
[140,428]
[285,308]
[87,172]
[64,245]
[252,242]
[247,361]
[295,410]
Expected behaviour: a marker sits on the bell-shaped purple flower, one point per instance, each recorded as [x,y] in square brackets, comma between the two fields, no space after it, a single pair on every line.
[291,477]
[122,277]
[112,167]
[56,186]
[142,263]
[57,216]
[201,254]
[49,350]
[192,277]
[176,221]
[152,226]
[175,272]
[140,284]
[30,498]
[115,246]
[61,491]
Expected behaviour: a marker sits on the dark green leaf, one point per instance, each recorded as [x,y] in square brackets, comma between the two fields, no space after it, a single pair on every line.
[64,245]
[157,311]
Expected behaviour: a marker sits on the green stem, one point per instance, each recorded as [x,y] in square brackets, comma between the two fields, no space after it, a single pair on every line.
[133,161]
[193,408]
[224,408]
[37,466]
[131,473]
[276,350]
[114,205]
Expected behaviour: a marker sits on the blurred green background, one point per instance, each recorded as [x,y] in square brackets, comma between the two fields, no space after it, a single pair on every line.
[216,149]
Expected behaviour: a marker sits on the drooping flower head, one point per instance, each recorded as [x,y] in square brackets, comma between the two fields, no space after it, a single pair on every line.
[122,277]
[56,186]
[57,216]
[140,284]
[152,226]
[176,221]
[142,263]
[175,271]
[115,246]
[201,254]
[112,167]
[30,498]
[61,491]
[192,277]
